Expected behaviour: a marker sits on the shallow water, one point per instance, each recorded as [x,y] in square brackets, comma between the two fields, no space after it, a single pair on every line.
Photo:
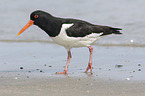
[126,14]
[43,59]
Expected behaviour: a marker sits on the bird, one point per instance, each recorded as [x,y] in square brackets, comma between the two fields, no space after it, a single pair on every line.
[70,33]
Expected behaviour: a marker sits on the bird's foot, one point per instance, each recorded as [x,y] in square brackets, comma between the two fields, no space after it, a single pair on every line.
[90,72]
[64,72]
[89,67]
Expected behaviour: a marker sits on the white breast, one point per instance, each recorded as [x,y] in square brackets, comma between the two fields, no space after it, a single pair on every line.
[69,42]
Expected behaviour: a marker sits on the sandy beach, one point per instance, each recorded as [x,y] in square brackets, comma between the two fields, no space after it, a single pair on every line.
[28,69]
[69,86]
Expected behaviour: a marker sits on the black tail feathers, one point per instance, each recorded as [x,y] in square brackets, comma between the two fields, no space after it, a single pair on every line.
[110,30]
[116,30]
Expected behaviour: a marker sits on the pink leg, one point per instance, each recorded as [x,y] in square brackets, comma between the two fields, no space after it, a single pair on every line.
[90,60]
[67,64]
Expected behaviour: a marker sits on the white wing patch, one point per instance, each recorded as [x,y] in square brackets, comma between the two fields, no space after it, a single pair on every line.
[69,42]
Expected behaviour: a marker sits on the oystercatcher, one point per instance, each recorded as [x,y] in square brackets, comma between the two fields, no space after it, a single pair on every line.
[70,33]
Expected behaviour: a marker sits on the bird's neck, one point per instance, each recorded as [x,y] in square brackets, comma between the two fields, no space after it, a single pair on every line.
[52,27]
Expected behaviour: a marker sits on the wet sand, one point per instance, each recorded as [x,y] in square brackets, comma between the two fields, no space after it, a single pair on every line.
[29,69]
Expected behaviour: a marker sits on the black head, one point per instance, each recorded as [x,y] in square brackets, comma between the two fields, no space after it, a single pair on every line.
[39,17]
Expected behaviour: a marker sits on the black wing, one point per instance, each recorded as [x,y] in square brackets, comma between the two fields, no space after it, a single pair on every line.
[82,28]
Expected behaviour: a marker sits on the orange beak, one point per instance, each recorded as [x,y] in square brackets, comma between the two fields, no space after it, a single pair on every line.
[31,22]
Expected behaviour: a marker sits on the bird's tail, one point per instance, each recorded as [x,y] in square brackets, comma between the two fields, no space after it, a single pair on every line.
[110,30]
[116,30]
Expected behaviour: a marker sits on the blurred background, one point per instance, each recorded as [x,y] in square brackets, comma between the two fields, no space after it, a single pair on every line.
[126,14]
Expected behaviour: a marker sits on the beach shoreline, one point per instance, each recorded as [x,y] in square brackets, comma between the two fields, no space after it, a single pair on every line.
[29,69]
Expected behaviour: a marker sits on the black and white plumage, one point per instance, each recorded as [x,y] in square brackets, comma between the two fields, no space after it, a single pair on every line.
[70,32]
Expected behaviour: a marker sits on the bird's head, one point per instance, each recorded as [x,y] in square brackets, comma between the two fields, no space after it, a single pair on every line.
[36,18]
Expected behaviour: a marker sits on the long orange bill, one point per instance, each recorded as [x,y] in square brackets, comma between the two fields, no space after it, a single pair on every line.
[31,22]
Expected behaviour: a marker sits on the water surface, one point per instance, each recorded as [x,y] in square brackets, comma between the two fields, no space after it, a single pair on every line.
[126,14]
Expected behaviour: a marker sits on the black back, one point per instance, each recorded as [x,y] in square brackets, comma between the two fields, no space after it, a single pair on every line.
[82,28]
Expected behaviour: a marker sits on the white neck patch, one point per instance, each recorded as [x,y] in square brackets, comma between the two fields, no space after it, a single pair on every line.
[65,26]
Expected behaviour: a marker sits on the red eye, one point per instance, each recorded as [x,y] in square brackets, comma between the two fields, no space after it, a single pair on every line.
[35,16]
